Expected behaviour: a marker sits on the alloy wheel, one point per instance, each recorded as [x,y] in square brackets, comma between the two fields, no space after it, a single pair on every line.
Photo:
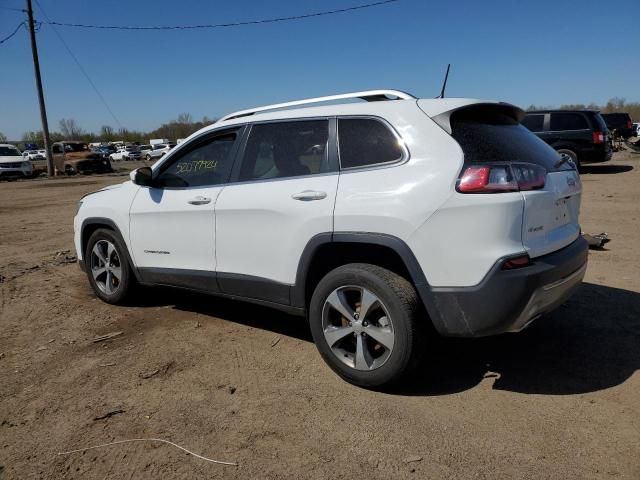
[357,327]
[106,267]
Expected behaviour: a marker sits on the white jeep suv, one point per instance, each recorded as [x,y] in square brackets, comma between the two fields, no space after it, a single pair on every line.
[415,217]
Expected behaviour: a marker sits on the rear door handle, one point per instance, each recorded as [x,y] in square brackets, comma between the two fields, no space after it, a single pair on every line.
[199,200]
[309,195]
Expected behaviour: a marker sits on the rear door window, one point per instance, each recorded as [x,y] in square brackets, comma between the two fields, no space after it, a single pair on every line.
[286,149]
[366,142]
[567,121]
[535,123]
[492,134]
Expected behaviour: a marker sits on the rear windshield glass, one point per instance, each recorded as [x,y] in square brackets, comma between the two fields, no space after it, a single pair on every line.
[492,134]
[600,123]
[616,120]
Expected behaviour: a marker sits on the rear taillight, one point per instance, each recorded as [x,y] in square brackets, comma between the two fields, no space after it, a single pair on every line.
[500,178]
[598,137]
[629,124]
[516,262]
[487,179]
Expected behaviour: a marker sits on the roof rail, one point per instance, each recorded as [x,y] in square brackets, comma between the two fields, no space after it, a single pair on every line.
[368,95]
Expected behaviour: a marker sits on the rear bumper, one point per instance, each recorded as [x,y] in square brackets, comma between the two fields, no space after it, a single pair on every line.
[597,154]
[508,300]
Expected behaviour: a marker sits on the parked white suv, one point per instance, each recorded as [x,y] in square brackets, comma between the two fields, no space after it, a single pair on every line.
[34,155]
[128,152]
[414,213]
[157,150]
[12,163]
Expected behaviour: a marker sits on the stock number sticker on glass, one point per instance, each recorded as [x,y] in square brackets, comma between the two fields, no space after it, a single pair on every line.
[196,166]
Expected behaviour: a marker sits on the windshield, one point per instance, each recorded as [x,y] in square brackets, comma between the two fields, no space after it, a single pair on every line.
[9,152]
[75,147]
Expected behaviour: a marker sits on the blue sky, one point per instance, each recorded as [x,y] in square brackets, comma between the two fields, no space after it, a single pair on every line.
[542,52]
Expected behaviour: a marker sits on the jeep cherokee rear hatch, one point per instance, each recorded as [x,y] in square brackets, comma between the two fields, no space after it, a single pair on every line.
[501,155]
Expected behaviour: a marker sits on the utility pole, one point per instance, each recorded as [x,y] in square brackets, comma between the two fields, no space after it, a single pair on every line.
[43,111]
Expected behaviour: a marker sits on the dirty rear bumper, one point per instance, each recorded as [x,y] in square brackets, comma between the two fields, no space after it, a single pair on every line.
[508,300]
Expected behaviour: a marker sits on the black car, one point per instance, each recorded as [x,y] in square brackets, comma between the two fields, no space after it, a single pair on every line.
[620,122]
[580,134]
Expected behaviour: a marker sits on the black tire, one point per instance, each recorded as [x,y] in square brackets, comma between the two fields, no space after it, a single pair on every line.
[400,301]
[573,155]
[126,283]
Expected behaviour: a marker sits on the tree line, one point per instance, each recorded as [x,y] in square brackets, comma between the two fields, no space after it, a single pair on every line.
[69,129]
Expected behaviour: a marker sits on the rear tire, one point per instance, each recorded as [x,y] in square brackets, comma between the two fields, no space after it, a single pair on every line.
[378,349]
[108,269]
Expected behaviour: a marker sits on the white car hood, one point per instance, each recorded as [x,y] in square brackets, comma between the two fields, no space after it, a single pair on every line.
[110,187]
[11,159]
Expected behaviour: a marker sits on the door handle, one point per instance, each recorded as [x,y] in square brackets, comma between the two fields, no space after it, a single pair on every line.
[309,195]
[199,200]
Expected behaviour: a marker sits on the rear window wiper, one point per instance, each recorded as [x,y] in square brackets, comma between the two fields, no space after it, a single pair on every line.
[563,159]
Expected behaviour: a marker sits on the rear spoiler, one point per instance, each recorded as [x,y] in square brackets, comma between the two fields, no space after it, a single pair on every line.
[478,109]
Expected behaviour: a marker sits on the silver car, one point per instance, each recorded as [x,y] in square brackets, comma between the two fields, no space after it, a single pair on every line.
[158,150]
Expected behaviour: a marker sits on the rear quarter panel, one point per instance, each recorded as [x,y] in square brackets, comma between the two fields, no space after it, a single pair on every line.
[396,199]
[460,243]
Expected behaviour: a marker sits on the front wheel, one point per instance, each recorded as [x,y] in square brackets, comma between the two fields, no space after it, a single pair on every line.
[108,269]
[365,323]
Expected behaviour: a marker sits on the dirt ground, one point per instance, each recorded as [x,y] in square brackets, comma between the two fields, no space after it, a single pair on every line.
[242,383]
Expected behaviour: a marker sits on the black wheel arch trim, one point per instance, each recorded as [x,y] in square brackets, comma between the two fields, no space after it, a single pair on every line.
[107,222]
[298,293]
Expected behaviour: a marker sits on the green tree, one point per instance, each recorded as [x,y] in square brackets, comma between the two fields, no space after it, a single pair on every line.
[3,137]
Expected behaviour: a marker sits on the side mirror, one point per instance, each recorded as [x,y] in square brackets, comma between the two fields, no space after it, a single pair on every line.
[142,176]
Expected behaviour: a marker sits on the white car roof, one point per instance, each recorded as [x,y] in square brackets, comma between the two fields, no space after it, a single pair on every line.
[283,111]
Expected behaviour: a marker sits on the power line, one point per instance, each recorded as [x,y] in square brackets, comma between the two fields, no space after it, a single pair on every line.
[224,25]
[75,59]
[20,25]
[13,9]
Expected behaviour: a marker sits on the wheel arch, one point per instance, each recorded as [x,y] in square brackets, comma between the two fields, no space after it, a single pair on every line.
[91,224]
[566,146]
[326,251]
